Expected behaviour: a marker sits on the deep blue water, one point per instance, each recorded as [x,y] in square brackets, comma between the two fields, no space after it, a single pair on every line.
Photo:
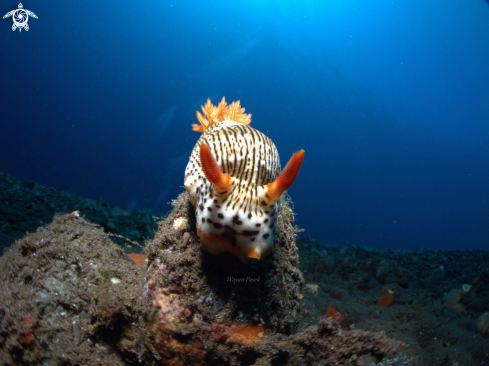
[390,100]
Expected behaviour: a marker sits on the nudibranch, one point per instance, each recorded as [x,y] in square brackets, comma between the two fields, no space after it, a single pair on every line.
[235,182]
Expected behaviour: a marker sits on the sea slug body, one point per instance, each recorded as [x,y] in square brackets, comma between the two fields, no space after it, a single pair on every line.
[234,181]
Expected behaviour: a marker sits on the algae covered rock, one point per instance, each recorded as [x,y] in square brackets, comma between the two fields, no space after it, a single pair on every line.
[214,310]
[219,288]
[69,296]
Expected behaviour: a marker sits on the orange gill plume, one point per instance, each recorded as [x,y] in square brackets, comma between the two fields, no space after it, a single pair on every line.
[222,112]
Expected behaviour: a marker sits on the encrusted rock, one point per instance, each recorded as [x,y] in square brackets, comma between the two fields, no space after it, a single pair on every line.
[219,288]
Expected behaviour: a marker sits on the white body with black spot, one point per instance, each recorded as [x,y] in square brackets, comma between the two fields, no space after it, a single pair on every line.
[240,220]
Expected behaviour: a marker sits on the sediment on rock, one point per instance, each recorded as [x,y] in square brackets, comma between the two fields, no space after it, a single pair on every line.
[71,296]
[215,310]
[219,288]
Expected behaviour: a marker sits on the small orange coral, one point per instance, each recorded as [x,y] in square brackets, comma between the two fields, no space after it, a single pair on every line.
[222,112]
[385,299]
[137,258]
[247,334]
[239,334]
[335,314]
[26,336]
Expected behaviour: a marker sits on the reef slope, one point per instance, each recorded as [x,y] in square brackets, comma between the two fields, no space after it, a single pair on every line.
[71,296]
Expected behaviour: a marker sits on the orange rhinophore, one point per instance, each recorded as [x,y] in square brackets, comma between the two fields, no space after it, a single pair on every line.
[137,258]
[385,299]
[221,181]
[286,178]
[335,314]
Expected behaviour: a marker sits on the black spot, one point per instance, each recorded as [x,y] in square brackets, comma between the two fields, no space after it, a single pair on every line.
[265,236]
[217,225]
[257,225]
[229,234]
[215,200]
[267,212]
[209,221]
[252,239]
[236,220]
[201,206]
[218,206]
[203,220]
[266,220]
[209,209]
[250,215]
[251,232]
[272,225]
[230,229]
[220,215]
[263,203]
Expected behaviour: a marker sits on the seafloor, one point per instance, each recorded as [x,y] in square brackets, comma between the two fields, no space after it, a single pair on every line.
[71,295]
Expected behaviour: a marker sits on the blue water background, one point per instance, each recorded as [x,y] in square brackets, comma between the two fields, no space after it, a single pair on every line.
[389,99]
